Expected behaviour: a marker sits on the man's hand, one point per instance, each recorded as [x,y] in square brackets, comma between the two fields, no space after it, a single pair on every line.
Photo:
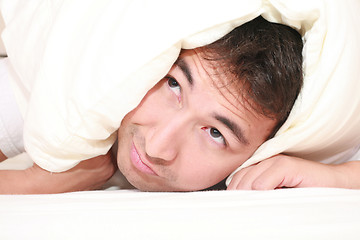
[285,171]
[87,175]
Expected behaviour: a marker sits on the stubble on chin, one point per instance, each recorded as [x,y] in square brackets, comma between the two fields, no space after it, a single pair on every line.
[129,133]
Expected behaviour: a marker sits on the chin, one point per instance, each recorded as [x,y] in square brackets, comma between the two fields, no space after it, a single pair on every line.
[150,184]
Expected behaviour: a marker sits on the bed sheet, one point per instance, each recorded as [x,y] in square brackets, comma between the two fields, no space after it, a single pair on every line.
[311,213]
[308,213]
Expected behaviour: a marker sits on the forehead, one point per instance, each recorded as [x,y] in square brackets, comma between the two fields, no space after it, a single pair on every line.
[213,76]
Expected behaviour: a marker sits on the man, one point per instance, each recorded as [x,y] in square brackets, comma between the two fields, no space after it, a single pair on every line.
[215,107]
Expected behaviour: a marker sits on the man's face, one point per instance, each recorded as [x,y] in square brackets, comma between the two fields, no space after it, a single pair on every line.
[187,134]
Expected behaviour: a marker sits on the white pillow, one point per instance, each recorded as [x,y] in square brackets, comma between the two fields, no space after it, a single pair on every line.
[87,65]
[2,47]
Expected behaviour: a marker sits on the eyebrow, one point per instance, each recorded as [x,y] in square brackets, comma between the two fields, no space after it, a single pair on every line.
[233,127]
[185,69]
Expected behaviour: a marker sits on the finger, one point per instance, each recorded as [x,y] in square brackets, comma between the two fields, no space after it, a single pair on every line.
[237,178]
[245,180]
[255,172]
[281,173]
[269,179]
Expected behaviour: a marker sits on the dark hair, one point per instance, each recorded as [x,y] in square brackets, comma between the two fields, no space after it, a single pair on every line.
[265,59]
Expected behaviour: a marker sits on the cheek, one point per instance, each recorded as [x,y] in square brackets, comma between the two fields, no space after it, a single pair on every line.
[205,170]
[151,106]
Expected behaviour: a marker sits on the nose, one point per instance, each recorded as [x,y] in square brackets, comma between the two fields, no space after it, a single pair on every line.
[164,139]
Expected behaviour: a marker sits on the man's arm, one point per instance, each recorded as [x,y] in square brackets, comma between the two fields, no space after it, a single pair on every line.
[285,171]
[87,175]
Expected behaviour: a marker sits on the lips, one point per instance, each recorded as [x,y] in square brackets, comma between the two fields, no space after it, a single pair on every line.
[138,163]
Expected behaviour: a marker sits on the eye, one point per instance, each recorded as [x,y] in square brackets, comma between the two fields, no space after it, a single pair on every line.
[174,86]
[215,135]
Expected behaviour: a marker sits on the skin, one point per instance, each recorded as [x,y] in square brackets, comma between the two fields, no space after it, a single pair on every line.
[174,135]
[87,175]
[292,172]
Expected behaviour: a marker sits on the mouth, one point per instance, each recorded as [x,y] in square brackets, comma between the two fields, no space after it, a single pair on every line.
[138,163]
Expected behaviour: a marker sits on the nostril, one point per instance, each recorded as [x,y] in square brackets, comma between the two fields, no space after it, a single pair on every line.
[156,160]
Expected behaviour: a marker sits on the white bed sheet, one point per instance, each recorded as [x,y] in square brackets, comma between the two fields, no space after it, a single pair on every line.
[311,213]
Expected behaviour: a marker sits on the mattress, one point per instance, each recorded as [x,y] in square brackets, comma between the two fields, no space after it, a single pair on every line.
[310,213]
[302,213]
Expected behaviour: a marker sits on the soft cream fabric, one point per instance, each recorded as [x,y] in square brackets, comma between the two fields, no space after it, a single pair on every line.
[11,121]
[2,47]
[87,65]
